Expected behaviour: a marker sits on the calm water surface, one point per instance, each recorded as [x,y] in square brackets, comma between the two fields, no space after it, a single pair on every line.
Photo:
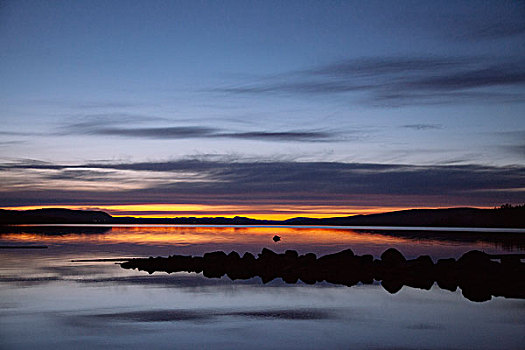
[49,301]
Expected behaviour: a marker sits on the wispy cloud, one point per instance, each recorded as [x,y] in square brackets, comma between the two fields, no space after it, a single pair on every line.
[499,30]
[10,143]
[96,120]
[402,80]
[499,22]
[99,126]
[423,126]
[18,133]
[178,132]
[518,149]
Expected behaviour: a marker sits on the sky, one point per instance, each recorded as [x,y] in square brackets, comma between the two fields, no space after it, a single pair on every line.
[268,109]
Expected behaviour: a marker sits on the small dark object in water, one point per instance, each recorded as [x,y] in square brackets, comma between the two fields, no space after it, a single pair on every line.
[276,238]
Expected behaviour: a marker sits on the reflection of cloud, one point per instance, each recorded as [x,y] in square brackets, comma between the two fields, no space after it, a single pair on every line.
[278,182]
[208,314]
[403,80]
[28,281]
[426,326]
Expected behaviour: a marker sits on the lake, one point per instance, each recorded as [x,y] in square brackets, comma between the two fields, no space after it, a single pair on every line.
[49,300]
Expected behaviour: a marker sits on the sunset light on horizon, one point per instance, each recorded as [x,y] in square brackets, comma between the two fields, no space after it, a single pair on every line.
[203,211]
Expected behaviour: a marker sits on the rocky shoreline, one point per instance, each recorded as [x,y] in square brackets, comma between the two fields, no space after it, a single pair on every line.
[479,275]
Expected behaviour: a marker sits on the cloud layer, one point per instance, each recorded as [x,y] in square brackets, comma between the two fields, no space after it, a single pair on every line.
[260,183]
[404,80]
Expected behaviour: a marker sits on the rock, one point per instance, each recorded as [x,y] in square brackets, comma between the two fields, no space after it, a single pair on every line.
[214,255]
[474,258]
[214,264]
[446,263]
[392,257]
[474,293]
[234,256]
[510,261]
[422,264]
[248,257]
[344,255]
[307,260]
[267,253]
[292,254]
[476,273]
[392,286]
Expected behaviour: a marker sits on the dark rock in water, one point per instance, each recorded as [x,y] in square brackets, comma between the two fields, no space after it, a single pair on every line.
[392,286]
[291,254]
[365,259]
[473,258]
[234,256]
[290,278]
[478,275]
[340,257]
[214,264]
[473,293]
[449,285]
[392,257]
[215,255]
[510,262]
[248,257]
[308,258]
[276,238]
[267,253]
[445,263]
[446,274]
[422,264]
[420,272]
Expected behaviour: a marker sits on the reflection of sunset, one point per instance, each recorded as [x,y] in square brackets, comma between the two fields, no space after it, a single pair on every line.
[200,235]
[261,211]
[105,241]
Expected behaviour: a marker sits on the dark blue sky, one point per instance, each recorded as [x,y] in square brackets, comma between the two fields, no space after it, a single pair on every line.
[412,83]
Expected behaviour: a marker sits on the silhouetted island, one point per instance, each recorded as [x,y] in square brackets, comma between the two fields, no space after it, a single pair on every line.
[477,274]
[506,216]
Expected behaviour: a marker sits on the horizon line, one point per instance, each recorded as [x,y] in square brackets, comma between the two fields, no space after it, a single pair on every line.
[276,216]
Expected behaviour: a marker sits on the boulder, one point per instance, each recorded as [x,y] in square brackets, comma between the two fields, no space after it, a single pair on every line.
[392,257]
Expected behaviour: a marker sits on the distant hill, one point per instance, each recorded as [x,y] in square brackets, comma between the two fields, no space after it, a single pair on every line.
[503,217]
[54,216]
[451,217]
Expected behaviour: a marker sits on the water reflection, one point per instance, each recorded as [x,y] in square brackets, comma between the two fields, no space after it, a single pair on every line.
[180,239]
[47,301]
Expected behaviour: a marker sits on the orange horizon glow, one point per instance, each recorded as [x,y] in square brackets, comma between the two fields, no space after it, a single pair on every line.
[181,236]
[261,212]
